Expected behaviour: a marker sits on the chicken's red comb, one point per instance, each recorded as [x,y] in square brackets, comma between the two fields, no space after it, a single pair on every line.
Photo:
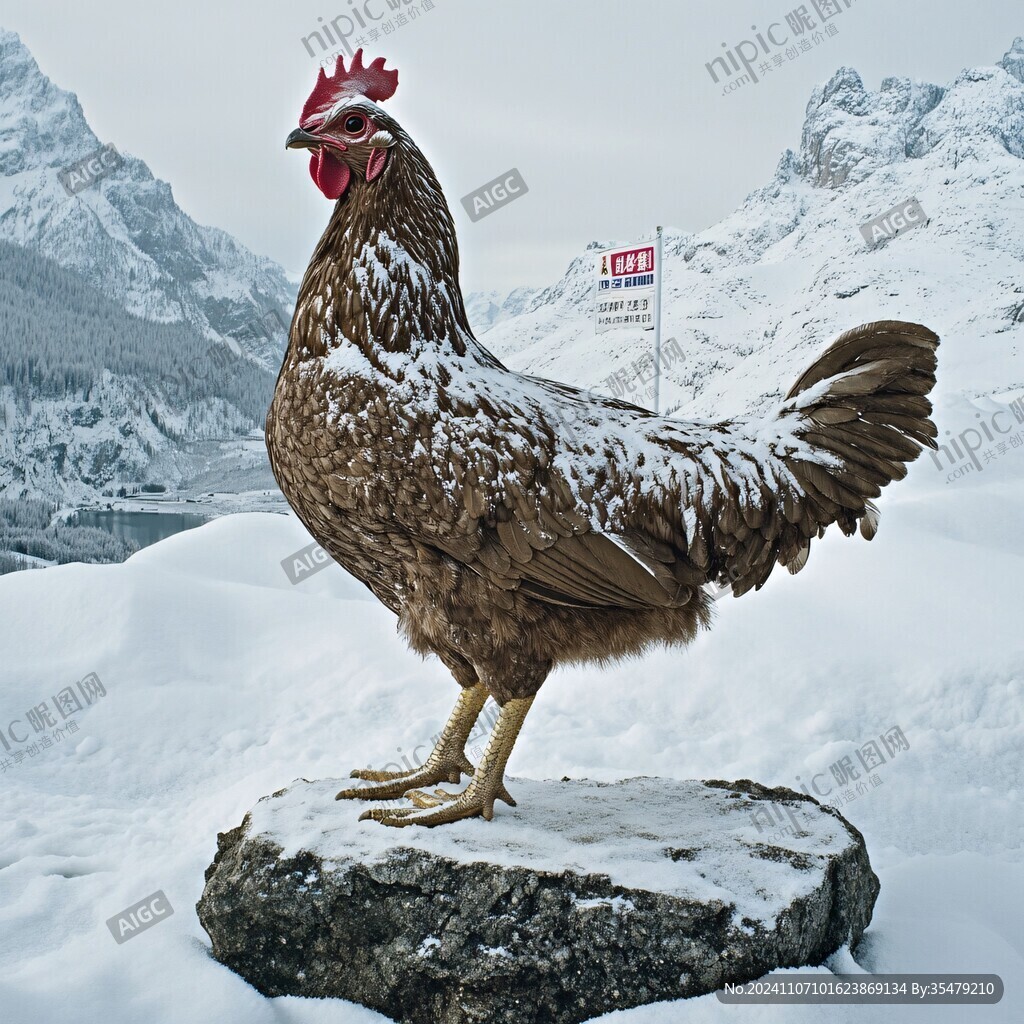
[373,82]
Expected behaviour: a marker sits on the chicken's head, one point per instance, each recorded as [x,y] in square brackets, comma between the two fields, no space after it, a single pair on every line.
[343,126]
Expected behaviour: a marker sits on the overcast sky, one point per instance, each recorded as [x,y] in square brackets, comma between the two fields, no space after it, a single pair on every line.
[604,106]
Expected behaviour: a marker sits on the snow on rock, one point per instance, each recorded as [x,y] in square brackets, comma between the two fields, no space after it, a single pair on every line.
[588,897]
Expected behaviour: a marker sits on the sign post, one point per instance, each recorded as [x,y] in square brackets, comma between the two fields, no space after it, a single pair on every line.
[629,294]
[657,321]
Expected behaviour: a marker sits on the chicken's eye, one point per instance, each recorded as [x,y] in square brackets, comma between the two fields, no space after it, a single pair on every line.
[354,124]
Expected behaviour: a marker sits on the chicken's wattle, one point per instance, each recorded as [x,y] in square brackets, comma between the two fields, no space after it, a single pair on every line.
[330,174]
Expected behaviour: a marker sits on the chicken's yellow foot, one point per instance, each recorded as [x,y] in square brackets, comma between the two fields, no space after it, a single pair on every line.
[421,798]
[447,761]
[477,799]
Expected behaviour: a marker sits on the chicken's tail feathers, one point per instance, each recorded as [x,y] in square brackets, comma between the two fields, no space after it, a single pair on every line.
[863,404]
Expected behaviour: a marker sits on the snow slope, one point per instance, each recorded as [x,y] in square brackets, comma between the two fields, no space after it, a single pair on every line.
[225,682]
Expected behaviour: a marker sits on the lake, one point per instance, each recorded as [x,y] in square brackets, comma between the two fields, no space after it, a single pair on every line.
[144,528]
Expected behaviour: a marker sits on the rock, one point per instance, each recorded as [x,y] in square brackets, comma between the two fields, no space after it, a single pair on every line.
[1013,59]
[585,898]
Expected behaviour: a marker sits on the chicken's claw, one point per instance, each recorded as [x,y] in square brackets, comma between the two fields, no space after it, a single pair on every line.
[477,799]
[389,785]
[421,798]
[447,761]
[473,802]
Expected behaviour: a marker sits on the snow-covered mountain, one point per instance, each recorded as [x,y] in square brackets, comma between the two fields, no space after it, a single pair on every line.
[751,299]
[748,301]
[485,309]
[127,331]
[124,234]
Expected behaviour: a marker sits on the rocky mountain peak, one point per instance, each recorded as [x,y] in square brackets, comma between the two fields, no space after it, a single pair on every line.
[1013,60]
[851,132]
[40,124]
[124,233]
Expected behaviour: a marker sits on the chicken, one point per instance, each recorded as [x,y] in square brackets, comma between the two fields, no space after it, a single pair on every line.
[511,523]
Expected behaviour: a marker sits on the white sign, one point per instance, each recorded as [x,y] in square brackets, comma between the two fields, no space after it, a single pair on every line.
[626,287]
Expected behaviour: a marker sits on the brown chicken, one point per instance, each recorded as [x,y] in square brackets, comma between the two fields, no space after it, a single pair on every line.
[511,523]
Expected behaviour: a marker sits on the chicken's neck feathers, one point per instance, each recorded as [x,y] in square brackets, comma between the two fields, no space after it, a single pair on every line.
[384,279]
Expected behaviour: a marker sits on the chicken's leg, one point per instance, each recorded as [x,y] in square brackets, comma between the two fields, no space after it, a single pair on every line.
[446,763]
[486,785]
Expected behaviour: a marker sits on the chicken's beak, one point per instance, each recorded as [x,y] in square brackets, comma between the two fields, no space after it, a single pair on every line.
[300,139]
